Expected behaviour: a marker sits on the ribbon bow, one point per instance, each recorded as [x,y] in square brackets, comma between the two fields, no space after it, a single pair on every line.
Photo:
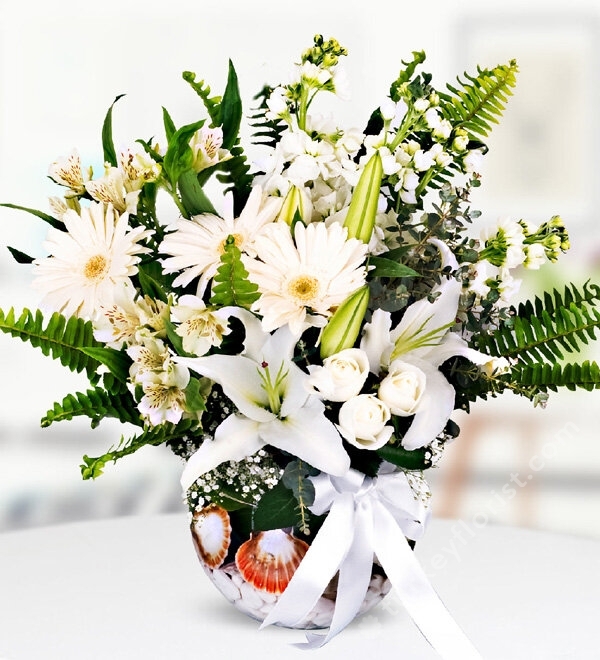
[368,516]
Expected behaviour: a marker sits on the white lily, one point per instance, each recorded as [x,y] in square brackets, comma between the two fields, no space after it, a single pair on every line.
[274,406]
[422,340]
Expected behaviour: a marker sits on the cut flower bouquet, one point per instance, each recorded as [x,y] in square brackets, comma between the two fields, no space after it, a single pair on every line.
[303,340]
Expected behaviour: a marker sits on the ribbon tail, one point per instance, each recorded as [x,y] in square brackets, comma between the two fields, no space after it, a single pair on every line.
[416,592]
[318,566]
[354,577]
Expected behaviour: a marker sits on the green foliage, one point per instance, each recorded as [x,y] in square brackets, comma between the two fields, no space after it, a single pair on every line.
[20,257]
[417,459]
[193,198]
[296,477]
[235,176]
[547,328]
[230,284]
[552,376]
[480,100]
[95,404]
[211,103]
[179,156]
[231,109]
[61,339]
[384,267]
[275,509]
[265,131]
[53,222]
[117,362]
[94,467]
[108,147]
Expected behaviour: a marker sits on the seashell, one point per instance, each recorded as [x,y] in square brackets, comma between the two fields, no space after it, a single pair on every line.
[211,531]
[269,559]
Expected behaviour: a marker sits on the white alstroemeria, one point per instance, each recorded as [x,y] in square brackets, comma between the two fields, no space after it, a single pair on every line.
[274,406]
[199,327]
[124,321]
[113,189]
[150,355]
[206,146]
[164,394]
[66,171]
[421,340]
[138,167]
[196,245]
[363,422]
[342,375]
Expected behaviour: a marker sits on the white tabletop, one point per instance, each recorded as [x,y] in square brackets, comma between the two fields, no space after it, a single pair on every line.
[132,588]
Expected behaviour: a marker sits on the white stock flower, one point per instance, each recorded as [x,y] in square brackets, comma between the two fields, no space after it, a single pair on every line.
[199,327]
[342,375]
[196,245]
[310,273]
[88,262]
[363,422]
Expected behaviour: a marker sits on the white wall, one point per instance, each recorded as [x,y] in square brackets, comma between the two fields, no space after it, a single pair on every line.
[62,64]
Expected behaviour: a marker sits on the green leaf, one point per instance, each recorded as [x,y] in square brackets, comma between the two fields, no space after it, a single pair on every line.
[39,214]
[195,395]
[388,268]
[96,404]
[20,257]
[148,276]
[231,109]
[179,156]
[212,104]
[417,459]
[62,339]
[117,362]
[275,509]
[108,147]
[231,285]
[168,124]
[193,197]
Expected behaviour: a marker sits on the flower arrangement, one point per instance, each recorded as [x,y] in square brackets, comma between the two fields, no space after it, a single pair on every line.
[303,341]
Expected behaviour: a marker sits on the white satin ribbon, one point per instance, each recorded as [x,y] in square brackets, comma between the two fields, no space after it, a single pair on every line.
[368,517]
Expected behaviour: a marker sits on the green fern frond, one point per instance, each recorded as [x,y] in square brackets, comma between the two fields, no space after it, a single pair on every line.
[231,285]
[235,175]
[265,131]
[157,435]
[480,100]
[62,339]
[547,329]
[95,404]
[211,103]
[552,376]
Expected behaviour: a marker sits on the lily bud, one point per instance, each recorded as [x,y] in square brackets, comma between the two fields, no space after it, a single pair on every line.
[363,207]
[343,327]
[292,202]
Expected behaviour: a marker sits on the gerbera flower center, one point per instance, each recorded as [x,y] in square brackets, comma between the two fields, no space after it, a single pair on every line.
[96,267]
[303,288]
[238,241]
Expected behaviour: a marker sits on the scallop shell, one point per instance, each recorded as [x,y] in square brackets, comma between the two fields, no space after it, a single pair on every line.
[211,531]
[269,559]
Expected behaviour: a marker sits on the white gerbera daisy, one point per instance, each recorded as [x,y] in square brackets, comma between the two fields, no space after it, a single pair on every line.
[315,271]
[196,245]
[96,254]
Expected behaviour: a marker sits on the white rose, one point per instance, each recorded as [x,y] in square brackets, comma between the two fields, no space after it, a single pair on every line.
[403,388]
[342,375]
[362,422]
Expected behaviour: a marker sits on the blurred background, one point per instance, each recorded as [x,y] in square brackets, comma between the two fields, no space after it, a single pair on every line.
[63,63]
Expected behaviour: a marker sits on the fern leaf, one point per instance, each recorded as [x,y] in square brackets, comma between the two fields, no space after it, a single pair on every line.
[480,100]
[547,376]
[95,404]
[265,131]
[235,177]
[62,339]
[546,329]
[211,103]
[231,285]
[94,467]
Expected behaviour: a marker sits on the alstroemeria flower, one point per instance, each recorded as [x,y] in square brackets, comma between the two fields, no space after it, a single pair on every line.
[411,354]
[274,406]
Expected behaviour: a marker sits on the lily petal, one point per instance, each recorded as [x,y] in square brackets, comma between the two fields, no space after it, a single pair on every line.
[434,410]
[240,380]
[451,345]
[310,436]
[235,438]
[376,342]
